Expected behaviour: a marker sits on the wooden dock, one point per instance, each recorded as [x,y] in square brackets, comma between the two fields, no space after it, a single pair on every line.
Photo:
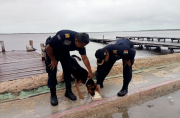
[147,44]
[20,64]
[148,38]
[171,46]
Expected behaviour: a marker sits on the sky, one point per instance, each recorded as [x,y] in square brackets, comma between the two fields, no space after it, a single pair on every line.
[47,16]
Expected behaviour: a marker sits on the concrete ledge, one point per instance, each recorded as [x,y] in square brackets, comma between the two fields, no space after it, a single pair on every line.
[134,97]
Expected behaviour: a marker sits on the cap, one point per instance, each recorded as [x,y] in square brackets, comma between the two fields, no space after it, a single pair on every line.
[100,55]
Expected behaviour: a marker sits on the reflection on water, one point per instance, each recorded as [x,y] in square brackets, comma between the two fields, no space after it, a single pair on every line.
[167,106]
[123,114]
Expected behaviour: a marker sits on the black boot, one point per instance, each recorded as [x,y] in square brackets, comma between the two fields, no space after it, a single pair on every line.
[69,94]
[124,89]
[101,85]
[54,100]
[122,92]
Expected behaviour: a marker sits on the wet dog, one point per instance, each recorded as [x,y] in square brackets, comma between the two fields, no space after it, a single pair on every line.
[80,74]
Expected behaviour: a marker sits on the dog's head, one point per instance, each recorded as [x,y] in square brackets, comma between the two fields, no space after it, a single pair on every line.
[91,87]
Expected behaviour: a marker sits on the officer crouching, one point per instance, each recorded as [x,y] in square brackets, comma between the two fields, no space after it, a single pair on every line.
[58,49]
[107,56]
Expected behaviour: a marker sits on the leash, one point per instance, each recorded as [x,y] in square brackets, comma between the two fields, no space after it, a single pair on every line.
[87,81]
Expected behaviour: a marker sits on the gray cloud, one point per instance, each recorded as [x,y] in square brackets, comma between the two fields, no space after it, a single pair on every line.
[26,16]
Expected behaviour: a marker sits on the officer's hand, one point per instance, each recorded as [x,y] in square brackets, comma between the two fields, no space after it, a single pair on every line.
[127,62]
[53,64]
[90,75]
[98,88]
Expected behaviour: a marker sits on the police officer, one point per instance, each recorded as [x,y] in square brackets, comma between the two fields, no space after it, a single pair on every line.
[58,49]
[106,57]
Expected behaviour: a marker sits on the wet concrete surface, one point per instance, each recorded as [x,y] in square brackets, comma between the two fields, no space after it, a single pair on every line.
[167,106]
[39,106]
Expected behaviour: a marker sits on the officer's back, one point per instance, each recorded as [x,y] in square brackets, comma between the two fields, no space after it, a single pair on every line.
[125,42]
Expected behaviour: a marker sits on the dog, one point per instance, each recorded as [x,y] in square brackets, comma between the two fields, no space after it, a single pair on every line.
[80,75]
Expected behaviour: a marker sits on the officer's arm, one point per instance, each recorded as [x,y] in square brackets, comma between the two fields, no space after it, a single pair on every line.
[100,74]
[87,64]
[54,62]
[49,51]
[99,77]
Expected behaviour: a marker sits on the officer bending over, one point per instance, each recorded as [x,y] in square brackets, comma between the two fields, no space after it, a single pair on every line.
[58,50]
[106,57]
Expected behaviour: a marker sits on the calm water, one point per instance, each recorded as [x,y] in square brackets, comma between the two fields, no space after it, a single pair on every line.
[19,42]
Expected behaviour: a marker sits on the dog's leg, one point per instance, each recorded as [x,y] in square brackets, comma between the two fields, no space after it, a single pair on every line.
[77,88]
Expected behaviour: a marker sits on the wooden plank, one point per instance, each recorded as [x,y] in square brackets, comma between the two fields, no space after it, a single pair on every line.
[6,72]
[15,78]
[23,74]
[157,43]
[145,37]
[4,54]
[20,68]
[15,61]
[20,64]
[20,56]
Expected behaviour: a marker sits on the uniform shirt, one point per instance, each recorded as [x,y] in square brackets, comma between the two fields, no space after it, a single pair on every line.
[122,49]
[64,41]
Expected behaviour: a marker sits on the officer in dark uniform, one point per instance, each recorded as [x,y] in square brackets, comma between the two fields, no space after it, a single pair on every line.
[57,49]
[106,57]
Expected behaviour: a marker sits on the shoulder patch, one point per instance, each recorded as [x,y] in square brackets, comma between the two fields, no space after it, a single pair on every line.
[115,51]
[67,42]
[58,36]
[125,52]
[67,35]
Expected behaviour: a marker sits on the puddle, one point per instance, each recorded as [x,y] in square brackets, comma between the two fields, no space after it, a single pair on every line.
[163,107]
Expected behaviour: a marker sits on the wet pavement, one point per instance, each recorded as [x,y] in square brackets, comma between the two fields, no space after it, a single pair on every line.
[167,106]
[39,106]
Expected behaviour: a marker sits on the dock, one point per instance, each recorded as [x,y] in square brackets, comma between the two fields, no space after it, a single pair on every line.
[147,44]
[148,38]
[20,64]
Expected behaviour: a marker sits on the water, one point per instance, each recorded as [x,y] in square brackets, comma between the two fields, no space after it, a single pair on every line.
[19,42]
[163,107]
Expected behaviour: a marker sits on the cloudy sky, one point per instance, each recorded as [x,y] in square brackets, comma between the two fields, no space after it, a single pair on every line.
[43,16]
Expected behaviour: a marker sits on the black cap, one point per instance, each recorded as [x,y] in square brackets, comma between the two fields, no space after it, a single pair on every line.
[100,55]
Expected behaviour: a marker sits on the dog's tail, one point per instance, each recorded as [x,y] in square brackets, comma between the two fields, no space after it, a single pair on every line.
[76,57]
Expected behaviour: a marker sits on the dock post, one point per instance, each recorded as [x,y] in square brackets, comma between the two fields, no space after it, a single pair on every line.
[31,42]
[103,39]
[2,45]
[171,50]
[43,54]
